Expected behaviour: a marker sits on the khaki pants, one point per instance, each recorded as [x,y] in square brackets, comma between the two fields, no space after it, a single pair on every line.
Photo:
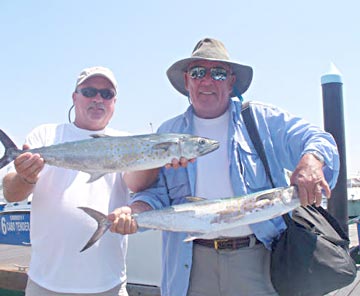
[33,289]
[242,272]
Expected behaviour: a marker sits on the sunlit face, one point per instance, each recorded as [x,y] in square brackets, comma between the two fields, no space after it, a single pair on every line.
[93,113]
[210,98]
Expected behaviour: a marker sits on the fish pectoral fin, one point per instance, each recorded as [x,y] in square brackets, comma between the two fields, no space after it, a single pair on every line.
[162,146]
[265,196]
[95,176]
[194,198]
[103,225]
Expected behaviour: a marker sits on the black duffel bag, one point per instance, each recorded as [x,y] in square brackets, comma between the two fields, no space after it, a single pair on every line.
[312,256]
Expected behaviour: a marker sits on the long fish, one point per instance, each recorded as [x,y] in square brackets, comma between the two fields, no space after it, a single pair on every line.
[103,154]
[209,218]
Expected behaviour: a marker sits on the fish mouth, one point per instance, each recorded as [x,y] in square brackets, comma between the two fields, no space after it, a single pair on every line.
[215,145]
[212,147]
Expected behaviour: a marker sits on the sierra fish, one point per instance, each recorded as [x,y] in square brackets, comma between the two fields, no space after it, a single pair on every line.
[103,154]
[208,218]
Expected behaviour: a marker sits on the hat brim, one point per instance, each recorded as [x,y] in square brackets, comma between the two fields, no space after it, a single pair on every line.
[243,75]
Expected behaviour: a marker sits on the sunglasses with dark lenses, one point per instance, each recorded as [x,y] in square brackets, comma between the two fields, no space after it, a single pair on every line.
[216,73]
[90,92]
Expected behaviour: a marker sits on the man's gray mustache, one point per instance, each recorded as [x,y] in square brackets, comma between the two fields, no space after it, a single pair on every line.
[97,106]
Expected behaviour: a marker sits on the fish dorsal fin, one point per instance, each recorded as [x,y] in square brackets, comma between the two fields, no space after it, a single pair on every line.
[288,175]
[96,136]
[194,198]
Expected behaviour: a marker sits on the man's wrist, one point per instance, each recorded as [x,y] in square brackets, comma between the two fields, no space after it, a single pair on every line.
[317,155]
[26,181]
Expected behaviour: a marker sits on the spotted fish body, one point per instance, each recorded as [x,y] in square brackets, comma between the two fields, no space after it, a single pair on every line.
[205,218]
[209,218]
[104,154]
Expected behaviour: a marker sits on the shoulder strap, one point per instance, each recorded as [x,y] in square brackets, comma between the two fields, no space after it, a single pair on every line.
[255,138]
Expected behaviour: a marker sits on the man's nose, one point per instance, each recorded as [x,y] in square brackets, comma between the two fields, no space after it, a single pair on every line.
[97,98]
[207,78]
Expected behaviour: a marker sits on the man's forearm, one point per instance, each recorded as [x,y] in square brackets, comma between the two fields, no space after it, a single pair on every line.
[139,207]
[140,180]
[16,188]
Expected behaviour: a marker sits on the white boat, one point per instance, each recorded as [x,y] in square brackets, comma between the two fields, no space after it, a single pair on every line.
[353,188]
[15,223]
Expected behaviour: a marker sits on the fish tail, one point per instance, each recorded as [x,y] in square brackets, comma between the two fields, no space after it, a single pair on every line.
[9,146]
[103,225]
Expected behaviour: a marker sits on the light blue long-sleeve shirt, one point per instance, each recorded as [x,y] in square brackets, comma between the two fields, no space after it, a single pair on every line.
[286,139]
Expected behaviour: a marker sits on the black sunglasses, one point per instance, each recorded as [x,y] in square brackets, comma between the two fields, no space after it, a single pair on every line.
[90,92]
[216,73]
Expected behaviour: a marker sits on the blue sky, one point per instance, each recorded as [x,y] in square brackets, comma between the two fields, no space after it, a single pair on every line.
[289,44]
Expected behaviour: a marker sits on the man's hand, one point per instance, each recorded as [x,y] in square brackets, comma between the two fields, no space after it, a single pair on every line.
[122,219]
[123,223]
[28,166]
[183,162]
[310,180]
[19,185]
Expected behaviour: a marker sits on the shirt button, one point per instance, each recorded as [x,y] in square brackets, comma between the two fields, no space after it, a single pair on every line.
[186,266]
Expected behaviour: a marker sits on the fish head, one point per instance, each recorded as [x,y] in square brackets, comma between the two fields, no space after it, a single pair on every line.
[290,196]
[194,146]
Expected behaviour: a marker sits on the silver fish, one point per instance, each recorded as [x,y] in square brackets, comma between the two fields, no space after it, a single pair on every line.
[209,218]
[103,154]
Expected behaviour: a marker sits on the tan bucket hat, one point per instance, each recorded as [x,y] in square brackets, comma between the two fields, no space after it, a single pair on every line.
[212,50]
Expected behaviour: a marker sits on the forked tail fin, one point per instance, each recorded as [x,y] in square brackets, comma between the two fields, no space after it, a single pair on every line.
[9,146]
[103,225]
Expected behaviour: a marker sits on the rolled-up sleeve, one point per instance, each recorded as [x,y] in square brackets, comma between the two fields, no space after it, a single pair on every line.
[291,137]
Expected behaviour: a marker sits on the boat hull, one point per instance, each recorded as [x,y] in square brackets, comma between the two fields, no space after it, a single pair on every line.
[15,226]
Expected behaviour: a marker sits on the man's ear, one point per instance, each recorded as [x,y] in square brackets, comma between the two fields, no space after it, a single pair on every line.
[186,81]
[233,79]
[74,97]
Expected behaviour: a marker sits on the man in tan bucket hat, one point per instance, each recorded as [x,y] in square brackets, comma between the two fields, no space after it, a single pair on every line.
[235,262]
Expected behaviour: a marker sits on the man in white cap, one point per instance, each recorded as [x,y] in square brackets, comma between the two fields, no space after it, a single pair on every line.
[59,229]
[238,261]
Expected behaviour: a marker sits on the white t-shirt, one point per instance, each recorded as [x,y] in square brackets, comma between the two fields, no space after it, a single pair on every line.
[59,229]
[213,170]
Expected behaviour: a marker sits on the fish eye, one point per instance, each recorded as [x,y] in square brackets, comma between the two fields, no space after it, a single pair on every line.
[202,141]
